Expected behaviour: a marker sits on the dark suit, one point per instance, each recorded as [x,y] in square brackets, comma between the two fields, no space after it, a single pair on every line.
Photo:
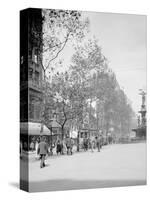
[42,150]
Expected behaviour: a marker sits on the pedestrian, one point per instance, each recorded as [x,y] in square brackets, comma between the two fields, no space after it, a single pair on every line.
[71,145]
[58,147]
[109,138]
[36,149]
[68,144]
[85,144]
[42,150]
[92,142]
[32,146]
[101,140]
[98,143]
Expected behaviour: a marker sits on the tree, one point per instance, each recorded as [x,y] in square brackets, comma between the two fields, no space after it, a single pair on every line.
[116,110]
[88,61]
[90,68]
[68,100]
[59,27]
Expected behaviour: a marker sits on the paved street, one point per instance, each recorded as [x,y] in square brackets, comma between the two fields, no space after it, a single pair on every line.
[115,165]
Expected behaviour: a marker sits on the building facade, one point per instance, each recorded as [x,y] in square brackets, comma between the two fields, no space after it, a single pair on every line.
[31,76]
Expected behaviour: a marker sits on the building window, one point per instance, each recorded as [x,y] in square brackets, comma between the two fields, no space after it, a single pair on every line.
[37,111]
[30,73]
[37,77]
[31,111]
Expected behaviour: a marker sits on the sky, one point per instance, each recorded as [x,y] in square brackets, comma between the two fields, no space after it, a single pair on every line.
[122,38]
[123,41]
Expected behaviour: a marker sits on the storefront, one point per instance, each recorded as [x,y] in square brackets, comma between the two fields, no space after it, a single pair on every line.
[30,132]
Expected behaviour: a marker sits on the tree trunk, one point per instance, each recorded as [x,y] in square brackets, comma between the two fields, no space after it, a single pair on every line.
[62,132]
[78,140]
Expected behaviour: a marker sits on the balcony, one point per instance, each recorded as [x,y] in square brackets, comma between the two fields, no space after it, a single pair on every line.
[35,85]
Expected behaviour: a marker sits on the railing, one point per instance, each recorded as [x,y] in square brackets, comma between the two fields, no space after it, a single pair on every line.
[35,84]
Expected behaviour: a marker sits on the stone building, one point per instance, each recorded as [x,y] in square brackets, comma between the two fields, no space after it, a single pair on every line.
[31,75]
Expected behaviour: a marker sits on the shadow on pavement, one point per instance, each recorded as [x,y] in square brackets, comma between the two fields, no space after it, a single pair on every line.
[14,184]
[66,184]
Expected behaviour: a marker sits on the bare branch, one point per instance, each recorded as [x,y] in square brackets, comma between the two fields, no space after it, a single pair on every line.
[48,48]
[58,51]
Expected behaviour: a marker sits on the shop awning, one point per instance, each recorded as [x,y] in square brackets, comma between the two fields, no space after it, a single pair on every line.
[33,128]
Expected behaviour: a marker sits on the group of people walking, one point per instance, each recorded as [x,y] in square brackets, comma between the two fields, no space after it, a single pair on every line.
[92,143]
[42,149]
[67,144]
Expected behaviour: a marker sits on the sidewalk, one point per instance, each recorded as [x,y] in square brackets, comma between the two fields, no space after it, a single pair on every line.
[32,155]
[115,165]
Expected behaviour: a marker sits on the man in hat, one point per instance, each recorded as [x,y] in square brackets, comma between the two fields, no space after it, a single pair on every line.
[42,150]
